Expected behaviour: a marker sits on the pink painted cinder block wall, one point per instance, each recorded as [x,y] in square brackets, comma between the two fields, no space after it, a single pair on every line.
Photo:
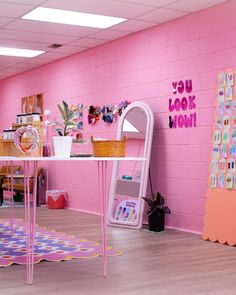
[142,66]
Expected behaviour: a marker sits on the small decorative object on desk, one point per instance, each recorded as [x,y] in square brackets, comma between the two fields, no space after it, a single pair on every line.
[35,117]
[26,139]
[46,147]
[109,148]
[18,119]
[8,134]
[29,118]
[156,212]
[23,118]
[71,124]
[46,151]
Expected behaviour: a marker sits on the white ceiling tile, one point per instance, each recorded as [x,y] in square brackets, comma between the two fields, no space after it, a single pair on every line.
[109,34]
[50,28]
[10,60]
[155,3]
[29,2]
[161,15]
[13,10]
[23,44]
[134,25]
[88,42]
[35,61]
[7,63]
[35,37]
[12,70]
[141,14]
[24,66]
[193,5]
[68,49]
[105,7]
[5,20]
[52,55]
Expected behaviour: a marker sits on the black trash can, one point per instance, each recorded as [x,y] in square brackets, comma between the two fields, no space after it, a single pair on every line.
[156,221]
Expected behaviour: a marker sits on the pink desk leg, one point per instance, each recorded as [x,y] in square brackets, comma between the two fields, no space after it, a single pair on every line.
[9,193]
[102,172]
[47,178]
[11,199]
[30,218]
[26,215]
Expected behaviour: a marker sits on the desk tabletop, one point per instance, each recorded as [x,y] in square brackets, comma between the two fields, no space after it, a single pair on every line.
[96,159]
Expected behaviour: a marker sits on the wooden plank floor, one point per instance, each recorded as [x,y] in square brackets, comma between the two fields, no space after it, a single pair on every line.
[165,263]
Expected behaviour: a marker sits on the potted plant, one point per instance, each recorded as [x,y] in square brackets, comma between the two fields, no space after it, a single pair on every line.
[156,212]
[65,129]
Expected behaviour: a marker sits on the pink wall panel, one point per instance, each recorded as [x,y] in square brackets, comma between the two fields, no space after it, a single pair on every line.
[142,66]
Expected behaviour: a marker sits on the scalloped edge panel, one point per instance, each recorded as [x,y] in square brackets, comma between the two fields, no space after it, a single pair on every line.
[220,216]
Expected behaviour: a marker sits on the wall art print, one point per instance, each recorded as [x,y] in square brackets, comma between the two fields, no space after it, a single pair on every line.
[183,105]
[224,134]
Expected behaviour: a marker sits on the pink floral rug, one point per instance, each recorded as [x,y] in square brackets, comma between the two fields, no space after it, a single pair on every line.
[49,245]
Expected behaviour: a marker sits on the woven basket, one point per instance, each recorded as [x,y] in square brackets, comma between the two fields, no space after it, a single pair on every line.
[109,148]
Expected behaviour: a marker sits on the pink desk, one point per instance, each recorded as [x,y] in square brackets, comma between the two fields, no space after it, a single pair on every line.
[30,203]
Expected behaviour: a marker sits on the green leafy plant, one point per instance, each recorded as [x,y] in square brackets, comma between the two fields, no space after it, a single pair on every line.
[156,204]
[69,117]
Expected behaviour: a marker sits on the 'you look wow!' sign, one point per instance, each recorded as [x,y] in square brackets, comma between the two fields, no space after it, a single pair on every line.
[182,106]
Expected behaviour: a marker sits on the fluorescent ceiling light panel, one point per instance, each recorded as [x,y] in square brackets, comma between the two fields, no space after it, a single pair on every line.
[128,127]
[73,18]
[19,52]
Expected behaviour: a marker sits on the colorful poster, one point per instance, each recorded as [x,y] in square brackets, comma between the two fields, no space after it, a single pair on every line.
[220,219]
[223,161]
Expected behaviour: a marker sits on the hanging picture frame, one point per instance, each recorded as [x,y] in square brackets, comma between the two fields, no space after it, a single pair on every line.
[230,78]
[222,79]
[32,104]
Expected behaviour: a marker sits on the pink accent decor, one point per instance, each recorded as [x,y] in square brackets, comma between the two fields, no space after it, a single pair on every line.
[102,172]
[33,135]
[30,218]
[184,103]
[56,199]
[184,121]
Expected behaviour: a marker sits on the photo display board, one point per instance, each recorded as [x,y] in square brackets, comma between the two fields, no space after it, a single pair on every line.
[220,217]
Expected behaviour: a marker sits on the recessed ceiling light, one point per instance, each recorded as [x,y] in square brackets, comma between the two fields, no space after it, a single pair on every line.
[19,52]
[73,18]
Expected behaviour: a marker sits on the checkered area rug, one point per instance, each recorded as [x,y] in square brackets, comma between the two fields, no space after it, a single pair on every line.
[49,245]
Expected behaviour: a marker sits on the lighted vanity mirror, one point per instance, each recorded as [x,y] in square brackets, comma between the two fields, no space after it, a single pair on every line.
[129,179]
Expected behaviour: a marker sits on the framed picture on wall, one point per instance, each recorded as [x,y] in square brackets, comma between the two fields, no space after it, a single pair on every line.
[24,105]
[32,104]
[39,104]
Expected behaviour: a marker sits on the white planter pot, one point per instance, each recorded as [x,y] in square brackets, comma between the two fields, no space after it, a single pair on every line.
[62,146]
